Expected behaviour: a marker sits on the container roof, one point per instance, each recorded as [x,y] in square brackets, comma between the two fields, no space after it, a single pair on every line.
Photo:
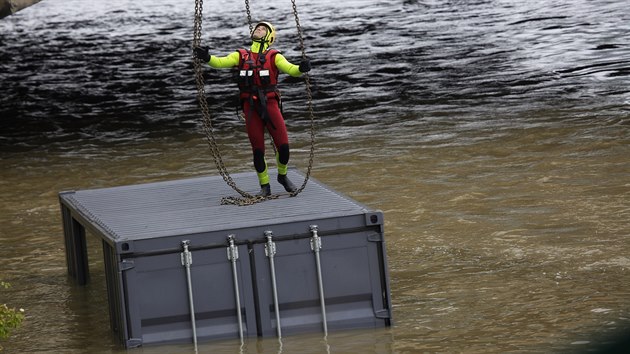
[187,206]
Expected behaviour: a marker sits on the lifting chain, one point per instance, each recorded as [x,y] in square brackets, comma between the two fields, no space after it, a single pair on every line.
[246,198]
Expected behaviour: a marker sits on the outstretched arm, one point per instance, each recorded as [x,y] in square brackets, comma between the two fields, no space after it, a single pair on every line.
[228,61]
[291,69]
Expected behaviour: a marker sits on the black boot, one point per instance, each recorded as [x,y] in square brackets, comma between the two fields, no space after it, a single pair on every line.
[286,183]
[265,190]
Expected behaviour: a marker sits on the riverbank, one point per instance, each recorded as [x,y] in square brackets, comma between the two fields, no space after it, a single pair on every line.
[9,7]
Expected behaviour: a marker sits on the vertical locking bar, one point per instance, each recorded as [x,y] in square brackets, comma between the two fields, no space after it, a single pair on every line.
[186,262]
[232,252]
[270,251]
[316,245]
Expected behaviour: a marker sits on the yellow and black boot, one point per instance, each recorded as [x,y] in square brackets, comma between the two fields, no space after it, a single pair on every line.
[263,178]
[283,179]
[265,190]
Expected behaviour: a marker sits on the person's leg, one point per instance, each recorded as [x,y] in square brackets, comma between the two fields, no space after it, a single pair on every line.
[256,134]
[278,131]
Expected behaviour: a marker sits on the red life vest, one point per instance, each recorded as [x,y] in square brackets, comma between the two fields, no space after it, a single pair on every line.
[257,74]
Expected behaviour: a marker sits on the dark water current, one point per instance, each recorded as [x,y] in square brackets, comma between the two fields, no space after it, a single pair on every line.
[495,136]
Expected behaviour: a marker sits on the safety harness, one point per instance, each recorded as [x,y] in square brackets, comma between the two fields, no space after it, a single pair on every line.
[257,79]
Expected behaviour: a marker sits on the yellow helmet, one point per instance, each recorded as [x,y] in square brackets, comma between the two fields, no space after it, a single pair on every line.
[270,37]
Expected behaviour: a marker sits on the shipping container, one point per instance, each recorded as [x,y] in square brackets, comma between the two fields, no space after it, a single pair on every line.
[181,267]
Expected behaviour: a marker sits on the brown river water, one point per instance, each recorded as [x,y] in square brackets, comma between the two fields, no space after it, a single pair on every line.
[494,136]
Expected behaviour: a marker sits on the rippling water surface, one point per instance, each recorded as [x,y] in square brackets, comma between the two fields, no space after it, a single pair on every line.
[494,135]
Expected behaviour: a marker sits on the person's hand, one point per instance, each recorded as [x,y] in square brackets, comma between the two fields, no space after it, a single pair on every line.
[202,54]
[305,66]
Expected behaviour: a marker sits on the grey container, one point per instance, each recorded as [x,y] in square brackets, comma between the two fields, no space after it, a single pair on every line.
[143,228]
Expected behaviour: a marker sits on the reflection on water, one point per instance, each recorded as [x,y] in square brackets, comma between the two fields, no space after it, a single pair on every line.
[493,135]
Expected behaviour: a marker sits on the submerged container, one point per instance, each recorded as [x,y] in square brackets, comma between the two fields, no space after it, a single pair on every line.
[181,267]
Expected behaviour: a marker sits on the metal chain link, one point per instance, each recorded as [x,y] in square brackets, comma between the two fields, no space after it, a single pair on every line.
[249,17]
[309,96]
[201,97]
[247,199]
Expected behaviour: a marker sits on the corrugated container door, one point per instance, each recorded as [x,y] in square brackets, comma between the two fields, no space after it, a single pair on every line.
[353,277]
[157,297]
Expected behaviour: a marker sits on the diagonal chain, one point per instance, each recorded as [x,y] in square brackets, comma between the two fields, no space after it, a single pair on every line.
[309,96]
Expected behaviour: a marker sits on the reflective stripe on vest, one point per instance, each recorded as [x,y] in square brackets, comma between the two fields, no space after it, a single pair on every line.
[257,73]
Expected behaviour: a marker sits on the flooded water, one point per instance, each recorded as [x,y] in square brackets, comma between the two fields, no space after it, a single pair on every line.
[494,135]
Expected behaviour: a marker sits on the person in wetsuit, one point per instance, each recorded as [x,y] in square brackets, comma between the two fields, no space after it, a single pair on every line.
[257,78]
